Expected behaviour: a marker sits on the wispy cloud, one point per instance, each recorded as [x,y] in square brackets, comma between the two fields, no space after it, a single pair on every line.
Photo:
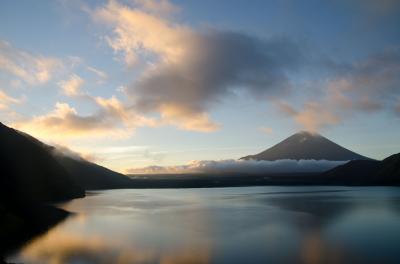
[366,87]
[33,69]
[101,74]
[6,100]
[81,155]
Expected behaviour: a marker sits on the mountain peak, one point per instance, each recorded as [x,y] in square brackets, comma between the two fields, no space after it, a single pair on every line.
[307,133]
[304,135]
[307,145]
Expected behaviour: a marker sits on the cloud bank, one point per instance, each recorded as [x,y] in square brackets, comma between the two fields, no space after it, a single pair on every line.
[243,166]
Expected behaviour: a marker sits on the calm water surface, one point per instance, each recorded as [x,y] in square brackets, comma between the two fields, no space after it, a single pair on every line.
[225,225]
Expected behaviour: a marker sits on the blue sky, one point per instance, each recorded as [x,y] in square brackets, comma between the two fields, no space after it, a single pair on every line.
[146,82]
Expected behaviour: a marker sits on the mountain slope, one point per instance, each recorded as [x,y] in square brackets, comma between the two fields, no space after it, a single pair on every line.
[367,172]
[91,176]
[87,175]
[30,173]
[354,172]
[306,145]
[390,169]
[30,176]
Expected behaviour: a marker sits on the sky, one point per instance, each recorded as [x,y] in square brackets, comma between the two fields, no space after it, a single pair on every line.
[135,83]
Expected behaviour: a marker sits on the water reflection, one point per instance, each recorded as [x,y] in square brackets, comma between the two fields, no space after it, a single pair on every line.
[230,225]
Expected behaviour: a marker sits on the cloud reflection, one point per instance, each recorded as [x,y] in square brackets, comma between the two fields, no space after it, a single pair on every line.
[61,247]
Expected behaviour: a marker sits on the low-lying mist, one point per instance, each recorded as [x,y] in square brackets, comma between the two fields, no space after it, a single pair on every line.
[243,167]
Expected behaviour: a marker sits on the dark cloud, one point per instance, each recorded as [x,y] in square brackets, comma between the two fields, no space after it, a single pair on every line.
[214,64]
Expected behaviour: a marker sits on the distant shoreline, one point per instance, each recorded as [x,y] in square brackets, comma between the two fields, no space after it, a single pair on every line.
[149,181]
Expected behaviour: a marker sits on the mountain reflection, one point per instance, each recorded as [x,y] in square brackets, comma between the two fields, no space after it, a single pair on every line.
[231,225]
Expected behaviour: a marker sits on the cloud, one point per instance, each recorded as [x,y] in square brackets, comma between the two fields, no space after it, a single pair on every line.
[136,30]
[112,119]
[186,119]
[31,69]
[188,71]
[313,116]
[366,87]
[267,130]
[191,70]
[243,166]
[215,65]
[72,86]
[66,151]
[6,100]
[102,75]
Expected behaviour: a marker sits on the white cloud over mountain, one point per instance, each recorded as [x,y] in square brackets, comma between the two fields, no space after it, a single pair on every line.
[243,167]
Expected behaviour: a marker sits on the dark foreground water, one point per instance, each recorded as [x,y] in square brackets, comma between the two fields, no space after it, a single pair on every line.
[226,225]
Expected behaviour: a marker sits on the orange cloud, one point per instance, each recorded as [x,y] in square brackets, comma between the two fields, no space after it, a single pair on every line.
[267,130]
[186,119]
[112,119]
[312,117]
[136,30]
[72,86]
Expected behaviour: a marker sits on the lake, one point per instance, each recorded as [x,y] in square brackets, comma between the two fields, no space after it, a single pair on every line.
[225,225]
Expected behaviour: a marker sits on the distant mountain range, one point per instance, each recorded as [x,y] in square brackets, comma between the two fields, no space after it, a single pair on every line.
[306,145]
